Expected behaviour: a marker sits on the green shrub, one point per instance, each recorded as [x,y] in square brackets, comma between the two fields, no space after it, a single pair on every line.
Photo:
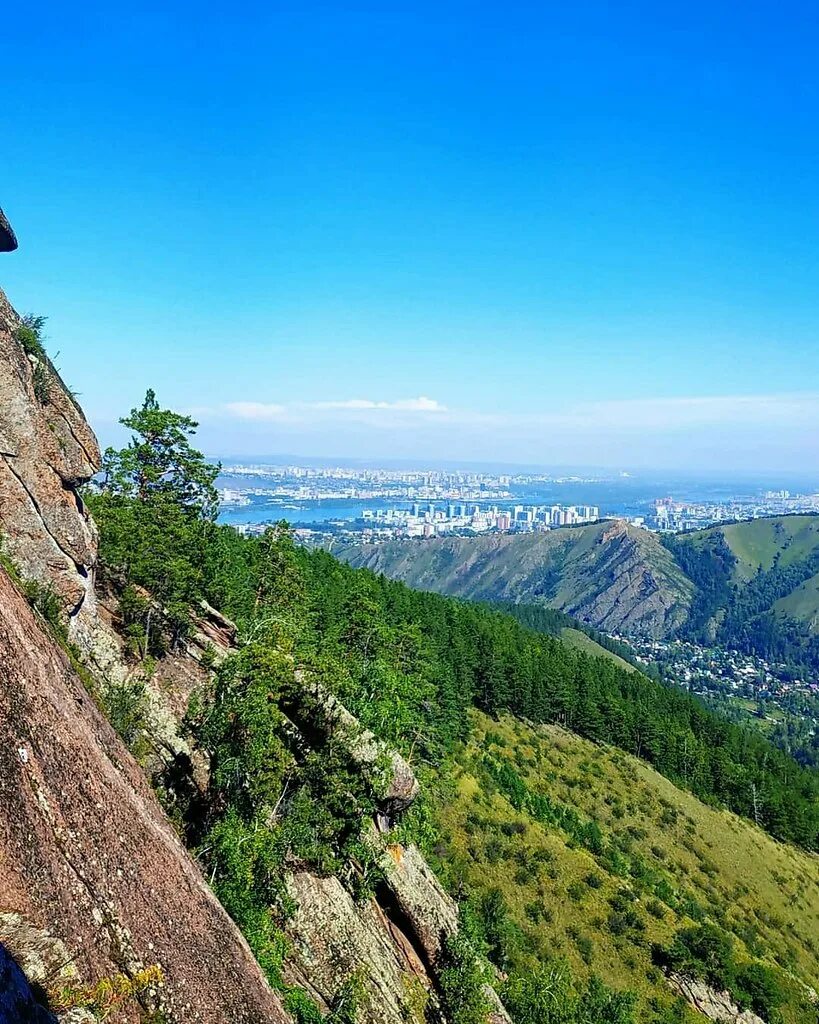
[759,987]
[576,891]
[585,947]
[126,707]
[704,951]
[461,980]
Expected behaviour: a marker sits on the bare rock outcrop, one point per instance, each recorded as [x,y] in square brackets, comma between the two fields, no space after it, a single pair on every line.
[420,898]
[46,451]
[717,1006]
[392,942]
[628,591]
[8,240]
[333,940]
[87,853]
[45,961]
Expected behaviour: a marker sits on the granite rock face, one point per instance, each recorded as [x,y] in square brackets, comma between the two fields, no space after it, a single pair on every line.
[420,899]
[87,853]
[46,451]
[334,939]
[392,942]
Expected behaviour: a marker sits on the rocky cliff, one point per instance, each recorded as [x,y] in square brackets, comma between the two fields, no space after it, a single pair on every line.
[8,242]
[87,853]
[46,451]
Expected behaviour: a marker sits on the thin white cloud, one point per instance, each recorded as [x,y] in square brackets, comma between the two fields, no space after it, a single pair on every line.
[420,404]
[733,431]
[655,414]
[276,412]
[796,409]
[255,410]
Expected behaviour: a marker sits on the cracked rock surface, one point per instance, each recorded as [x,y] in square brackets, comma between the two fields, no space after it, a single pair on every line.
[86,851]
[46,451]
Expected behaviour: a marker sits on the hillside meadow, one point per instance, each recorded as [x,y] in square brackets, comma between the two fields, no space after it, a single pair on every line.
[665,861]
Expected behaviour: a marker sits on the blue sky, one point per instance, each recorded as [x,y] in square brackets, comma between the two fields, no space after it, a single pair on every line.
[527,232]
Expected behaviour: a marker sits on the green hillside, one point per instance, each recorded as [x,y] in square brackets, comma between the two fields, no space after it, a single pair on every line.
[753,584]
[611,575]
[581,641]
[763,543]
[802,604]
[659,861]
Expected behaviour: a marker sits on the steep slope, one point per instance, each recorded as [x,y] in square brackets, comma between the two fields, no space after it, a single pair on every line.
[580,641]
[612,575]
[757,586]
[577,850]
[91,870]
[87,853]
[752,584]
[761,544]
[46,451]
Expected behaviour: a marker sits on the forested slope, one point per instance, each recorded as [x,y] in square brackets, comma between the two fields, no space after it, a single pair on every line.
[415,668]
[611,575]
[752,585]
[757,586]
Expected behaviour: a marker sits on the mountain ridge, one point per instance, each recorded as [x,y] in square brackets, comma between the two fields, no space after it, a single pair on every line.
[610,574]
[741,581]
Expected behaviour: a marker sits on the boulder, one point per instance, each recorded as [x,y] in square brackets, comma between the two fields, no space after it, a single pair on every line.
[717,1006]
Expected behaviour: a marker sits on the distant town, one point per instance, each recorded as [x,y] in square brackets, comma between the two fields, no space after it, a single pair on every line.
[670,516]
[333,502]
[321,484]
[432,521]
[747,684]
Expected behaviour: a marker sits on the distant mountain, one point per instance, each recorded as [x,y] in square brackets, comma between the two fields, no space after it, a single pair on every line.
[752,584]
[757,586]
[611,575]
